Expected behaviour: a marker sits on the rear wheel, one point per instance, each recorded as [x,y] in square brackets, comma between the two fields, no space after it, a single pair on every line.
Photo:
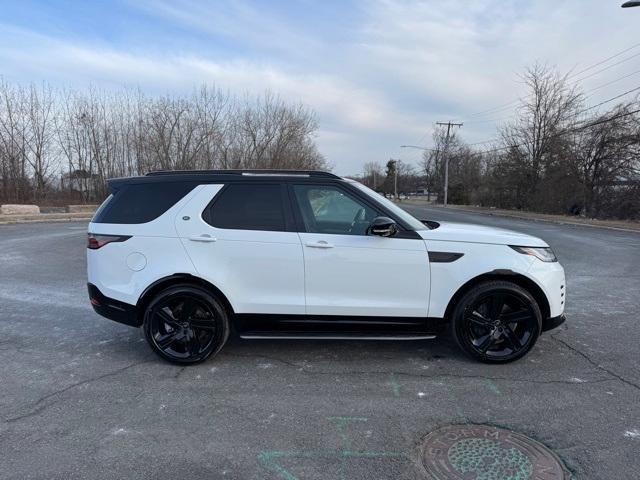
[496,322]
[185,324]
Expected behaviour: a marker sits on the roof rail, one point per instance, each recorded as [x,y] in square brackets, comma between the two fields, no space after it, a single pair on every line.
[257,172]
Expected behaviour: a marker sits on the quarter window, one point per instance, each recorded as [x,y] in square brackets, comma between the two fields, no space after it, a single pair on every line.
[141,203]
[248,207]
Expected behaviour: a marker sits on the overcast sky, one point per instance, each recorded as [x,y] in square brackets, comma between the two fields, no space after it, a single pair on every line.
[378,74]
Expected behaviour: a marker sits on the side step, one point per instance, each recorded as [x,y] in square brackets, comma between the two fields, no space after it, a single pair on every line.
[283,335]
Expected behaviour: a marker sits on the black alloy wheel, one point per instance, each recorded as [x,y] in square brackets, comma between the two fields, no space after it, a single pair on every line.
[497,322]
[185,324]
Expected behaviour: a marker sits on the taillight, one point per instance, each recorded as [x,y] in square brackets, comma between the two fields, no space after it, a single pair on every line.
[95,241]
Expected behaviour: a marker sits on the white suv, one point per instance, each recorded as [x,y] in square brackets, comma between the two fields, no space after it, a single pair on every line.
[292,254]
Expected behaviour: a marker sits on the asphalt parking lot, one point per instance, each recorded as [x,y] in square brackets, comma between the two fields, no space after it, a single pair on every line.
[83,397]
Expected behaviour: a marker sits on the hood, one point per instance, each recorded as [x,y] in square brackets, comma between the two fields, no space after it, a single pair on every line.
[464,232]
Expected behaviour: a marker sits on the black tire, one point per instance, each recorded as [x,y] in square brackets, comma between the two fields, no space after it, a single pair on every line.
[185,324]
[496,322]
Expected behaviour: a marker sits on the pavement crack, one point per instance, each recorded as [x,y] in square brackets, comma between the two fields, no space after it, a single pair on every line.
[41,404]
[307,371]
[266,357]
[596,364]
[454,375]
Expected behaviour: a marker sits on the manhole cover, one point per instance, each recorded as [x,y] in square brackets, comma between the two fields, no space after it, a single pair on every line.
[478,452]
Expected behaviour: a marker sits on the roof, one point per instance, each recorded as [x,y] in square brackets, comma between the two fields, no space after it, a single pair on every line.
[212,176]
[263,172]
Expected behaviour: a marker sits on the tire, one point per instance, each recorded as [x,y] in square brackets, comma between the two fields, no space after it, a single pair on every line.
[496,322]
[185,324]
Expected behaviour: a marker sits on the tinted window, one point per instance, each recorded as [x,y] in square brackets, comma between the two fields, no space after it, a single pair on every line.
[141,203]
[327,209]
[100,211]
[248,207]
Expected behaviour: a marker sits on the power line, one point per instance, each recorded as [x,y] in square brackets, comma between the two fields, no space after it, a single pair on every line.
[606,60]
[564,132]
[612,82]
[609,100]
[606,68]
[571,116]
[490,120]
[506,106]
[494,109]
[446,156]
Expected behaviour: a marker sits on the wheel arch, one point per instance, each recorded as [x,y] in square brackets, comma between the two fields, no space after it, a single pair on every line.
[179,279]
[507,275]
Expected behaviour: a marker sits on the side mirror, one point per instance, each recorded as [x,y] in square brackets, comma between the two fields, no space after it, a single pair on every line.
[382,227]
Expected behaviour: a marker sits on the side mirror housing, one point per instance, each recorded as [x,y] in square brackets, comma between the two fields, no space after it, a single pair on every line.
[382,227]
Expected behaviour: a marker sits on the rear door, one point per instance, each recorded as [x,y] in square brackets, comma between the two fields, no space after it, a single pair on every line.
[348,272]
[242,239]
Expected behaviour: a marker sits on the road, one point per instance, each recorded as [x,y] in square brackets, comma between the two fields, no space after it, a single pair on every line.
[83,397]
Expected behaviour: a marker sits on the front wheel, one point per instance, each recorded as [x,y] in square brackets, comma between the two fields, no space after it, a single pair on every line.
[185,324]
[496,322]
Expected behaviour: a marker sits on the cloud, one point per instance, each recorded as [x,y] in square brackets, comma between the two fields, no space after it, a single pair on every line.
[350,111]
[378,74]
[243,23]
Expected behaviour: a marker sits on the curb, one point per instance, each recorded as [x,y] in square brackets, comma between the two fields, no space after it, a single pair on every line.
[43,219]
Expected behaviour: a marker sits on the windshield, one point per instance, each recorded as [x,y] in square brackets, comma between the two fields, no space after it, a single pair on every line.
[412,221]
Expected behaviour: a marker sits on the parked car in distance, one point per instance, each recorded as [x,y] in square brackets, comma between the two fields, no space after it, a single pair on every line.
[190,256]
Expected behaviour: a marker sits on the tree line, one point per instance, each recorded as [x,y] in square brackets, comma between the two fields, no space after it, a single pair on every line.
[555,155]
[60,145]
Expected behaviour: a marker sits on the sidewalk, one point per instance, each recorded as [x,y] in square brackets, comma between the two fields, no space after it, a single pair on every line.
[625,225]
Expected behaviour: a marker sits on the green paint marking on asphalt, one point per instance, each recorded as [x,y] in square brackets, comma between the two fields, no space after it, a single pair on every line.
[267,459]
[493,387]
[271,459]
[372,454]
[348,419]
[395,386]
[341,424]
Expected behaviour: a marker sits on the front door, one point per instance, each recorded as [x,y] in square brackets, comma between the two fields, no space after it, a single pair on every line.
[244,243]
[348,272]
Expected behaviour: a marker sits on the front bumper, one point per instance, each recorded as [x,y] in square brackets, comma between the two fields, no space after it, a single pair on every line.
[553,322]
[113,309]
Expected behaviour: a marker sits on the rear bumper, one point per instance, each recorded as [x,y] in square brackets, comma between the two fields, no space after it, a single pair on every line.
[553,322]
[113,309]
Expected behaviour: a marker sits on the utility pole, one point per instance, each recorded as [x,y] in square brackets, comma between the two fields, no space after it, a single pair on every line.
[395,177]
[446,156]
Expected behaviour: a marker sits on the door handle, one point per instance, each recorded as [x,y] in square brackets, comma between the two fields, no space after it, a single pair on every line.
[203,238]
[319,244]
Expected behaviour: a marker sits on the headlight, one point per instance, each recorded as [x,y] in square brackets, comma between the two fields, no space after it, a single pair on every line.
[541,253]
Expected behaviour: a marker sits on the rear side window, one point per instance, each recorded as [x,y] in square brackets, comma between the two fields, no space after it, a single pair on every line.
[248,207]
[141,203]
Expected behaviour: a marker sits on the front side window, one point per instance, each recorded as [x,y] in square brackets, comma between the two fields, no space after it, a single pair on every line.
[412,221]
[328,209]
[248,207]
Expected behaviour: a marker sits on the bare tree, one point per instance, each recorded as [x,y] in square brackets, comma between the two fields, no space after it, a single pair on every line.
[39,123]
[373,175]
[607,156]
[87,136]
[549,109]
[13,143]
